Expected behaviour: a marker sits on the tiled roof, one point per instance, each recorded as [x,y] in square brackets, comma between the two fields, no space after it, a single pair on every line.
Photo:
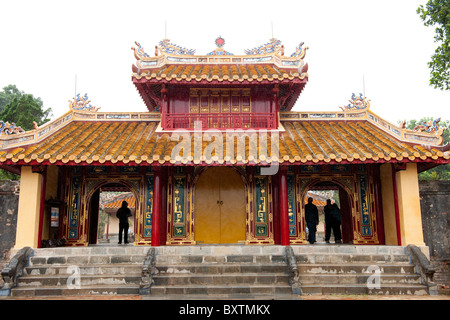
[139,142]
[225,73]
[116,202]
[264,63]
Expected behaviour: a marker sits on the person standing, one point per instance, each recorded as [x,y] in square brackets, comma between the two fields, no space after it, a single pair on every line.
[123,213]
[336,222]
[328,221]
[312,219]
[332,221]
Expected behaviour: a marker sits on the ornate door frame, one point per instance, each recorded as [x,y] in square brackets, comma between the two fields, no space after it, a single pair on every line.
[79,191]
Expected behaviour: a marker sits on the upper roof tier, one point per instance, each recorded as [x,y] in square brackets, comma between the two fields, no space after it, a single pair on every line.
[265,64]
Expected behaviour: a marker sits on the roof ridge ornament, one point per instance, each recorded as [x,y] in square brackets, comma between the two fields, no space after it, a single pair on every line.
[139,52]
[7,128]
[357,103]
[431,126]
[220,51]
[300,51]
[166,47]
[273,46]
[82,104]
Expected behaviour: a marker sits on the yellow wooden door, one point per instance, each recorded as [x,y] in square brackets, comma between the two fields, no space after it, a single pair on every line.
[219,207]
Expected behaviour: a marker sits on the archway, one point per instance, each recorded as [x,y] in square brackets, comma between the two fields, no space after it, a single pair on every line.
[219,207]
[333,190]
[103,204]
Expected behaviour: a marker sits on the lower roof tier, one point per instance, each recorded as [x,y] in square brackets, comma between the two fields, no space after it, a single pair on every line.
[137,141]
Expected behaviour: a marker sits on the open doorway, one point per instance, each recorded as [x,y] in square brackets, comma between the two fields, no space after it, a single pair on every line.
[103,223]
[321,192]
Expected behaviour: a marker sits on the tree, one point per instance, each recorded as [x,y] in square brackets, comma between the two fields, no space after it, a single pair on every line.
[8,94]
[437,13]
[22,109]
[441,172]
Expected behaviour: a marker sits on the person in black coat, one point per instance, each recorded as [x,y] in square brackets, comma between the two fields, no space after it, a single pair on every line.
[123,213]
[332,221]
[312,219]
[328,222]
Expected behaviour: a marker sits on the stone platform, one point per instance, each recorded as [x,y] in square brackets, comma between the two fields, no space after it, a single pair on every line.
[219,271]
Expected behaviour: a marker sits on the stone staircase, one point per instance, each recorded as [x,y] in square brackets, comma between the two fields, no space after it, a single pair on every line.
[103,270]
[346,269]
[220,271]
[227,272]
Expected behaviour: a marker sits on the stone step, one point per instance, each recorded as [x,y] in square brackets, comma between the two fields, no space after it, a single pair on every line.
[85,260]
[354,268]
[358,278]
[182,259]
[223,279]
[221,268]
[94,250]
[385,289]
[220,289]
[85,280]
[97,269]
[348,249]
[220,250]
[352,258]
[83,290]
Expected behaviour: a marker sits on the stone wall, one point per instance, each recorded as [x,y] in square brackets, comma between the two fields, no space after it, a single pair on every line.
[9,202]
[435,207]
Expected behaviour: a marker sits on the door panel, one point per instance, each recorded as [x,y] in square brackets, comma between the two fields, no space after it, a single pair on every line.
[219,207]
[232,209]
[207,213]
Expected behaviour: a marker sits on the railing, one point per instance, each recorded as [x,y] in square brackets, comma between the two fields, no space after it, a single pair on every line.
[14,270]
[219,121]
[148,269]
[423,267]
[294,276]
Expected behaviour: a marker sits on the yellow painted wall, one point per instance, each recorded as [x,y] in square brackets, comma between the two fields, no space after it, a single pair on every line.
[387,193]
[29,209]
[409,205]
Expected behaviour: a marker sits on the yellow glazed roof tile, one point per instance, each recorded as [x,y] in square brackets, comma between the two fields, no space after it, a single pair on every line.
[139,142]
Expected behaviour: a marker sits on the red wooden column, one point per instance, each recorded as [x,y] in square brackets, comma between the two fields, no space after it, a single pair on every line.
[283,205]
[276,209]
[156,216]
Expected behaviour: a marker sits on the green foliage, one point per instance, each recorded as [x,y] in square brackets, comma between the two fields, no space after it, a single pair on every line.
[8,94]
[437,13]
[22,109]
[441,172]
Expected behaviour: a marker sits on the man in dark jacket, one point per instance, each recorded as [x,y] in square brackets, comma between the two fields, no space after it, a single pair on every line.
[332,221]
[312,219]
[328,221]
[123,213]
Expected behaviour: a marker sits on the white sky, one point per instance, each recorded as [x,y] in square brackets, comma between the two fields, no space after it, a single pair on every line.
[44,44]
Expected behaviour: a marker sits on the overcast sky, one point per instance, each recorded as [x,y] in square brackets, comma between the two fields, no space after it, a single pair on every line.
[45,44]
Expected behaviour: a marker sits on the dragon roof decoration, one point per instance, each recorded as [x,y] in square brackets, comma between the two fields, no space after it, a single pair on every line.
[82,104]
